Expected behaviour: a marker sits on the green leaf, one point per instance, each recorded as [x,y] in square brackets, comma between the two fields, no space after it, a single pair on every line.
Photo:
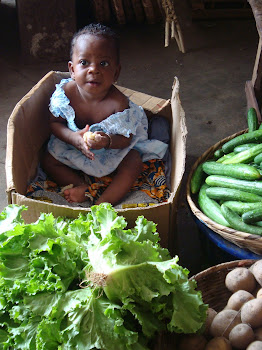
[133,289]
[11,217]
[88,320]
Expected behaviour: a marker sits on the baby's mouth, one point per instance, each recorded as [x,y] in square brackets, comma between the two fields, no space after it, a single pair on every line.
[93,82]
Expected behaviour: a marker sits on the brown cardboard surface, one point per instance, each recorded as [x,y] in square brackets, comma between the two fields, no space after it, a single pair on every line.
[28,130]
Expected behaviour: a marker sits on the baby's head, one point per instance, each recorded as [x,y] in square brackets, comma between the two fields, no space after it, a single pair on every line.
[97,30]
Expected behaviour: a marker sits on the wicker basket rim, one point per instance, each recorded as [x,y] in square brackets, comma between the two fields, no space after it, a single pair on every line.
[227,265]
[211,282]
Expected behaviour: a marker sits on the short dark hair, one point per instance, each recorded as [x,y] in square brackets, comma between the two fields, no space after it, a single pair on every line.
[96,29]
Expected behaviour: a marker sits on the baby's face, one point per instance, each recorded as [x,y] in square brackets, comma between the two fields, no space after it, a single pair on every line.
[94,65]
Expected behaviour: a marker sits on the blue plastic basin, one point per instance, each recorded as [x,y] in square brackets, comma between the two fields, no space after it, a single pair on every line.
[230,248]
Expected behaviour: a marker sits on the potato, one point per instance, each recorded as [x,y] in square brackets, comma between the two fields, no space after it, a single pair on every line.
[251,312]
[192,342]
[211,313]
[238,298]
[256,270]
[218,343]
[258,333]
[240,278]
[256,290]
[89,135]
[259,293]
[255,345]
[223,322]
[252,266]
[241,336]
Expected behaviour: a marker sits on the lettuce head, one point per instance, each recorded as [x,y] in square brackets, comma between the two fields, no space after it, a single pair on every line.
[90,283]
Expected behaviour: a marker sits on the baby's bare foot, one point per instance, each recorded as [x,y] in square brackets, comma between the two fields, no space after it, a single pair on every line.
[75,194]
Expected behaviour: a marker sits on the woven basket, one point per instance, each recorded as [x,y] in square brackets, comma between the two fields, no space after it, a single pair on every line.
[241,239]
[118,10]
[150,11]
[211,283]
[101,10]
[129,11]
[138,10]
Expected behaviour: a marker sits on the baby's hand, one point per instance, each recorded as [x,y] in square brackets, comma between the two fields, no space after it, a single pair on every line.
[96,140]
[89,135]
[82,145]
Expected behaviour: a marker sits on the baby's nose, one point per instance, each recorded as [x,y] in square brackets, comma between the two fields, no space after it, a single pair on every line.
[94,68]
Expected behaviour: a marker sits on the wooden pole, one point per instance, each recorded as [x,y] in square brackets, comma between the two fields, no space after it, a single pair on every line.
[172,21]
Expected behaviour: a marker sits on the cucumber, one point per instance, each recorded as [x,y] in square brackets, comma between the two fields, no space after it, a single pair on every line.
[210,207]
[252,120]
[197,179]
[254,187]
[240,207]
[252,216]
[218,153]
[225,156]
[231,194]
[260,168]
[254,136]
[257,166]
[245,156]
[244,147]
[237,223]
[258,158]
[238,171]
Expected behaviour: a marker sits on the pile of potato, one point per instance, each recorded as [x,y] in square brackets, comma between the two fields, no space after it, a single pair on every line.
[239,324]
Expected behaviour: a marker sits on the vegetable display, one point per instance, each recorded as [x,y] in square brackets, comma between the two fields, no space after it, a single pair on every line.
[229,185]
[90,283]
[237,323]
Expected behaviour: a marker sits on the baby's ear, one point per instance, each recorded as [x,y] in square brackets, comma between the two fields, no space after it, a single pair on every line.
[71,69]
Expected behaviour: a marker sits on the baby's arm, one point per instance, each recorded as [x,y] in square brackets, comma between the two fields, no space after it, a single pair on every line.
[60,129]
[115,141]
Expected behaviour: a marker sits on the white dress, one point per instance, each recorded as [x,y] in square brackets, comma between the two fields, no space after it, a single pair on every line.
[132,120]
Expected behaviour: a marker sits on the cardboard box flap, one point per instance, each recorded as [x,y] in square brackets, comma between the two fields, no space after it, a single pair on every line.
[35,207]
[178,140]
[27,130]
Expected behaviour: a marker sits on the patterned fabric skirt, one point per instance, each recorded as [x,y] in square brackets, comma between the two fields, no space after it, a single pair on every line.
[152,181]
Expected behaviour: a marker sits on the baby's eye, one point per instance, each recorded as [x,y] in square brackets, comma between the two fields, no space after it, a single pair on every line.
[104,64]
[83,62]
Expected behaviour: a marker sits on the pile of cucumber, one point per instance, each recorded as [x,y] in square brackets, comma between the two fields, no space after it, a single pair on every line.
[229,186]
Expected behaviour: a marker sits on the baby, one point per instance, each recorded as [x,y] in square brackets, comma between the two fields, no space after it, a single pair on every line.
[96,130]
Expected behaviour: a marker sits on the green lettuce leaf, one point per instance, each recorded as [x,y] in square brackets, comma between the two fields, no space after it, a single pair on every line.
[10,218]
[90,283]
[87,321]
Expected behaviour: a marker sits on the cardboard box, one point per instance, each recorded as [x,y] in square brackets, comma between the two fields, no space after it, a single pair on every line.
[28,131]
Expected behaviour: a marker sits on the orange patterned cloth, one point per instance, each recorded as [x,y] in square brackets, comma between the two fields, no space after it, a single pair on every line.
[152,181]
